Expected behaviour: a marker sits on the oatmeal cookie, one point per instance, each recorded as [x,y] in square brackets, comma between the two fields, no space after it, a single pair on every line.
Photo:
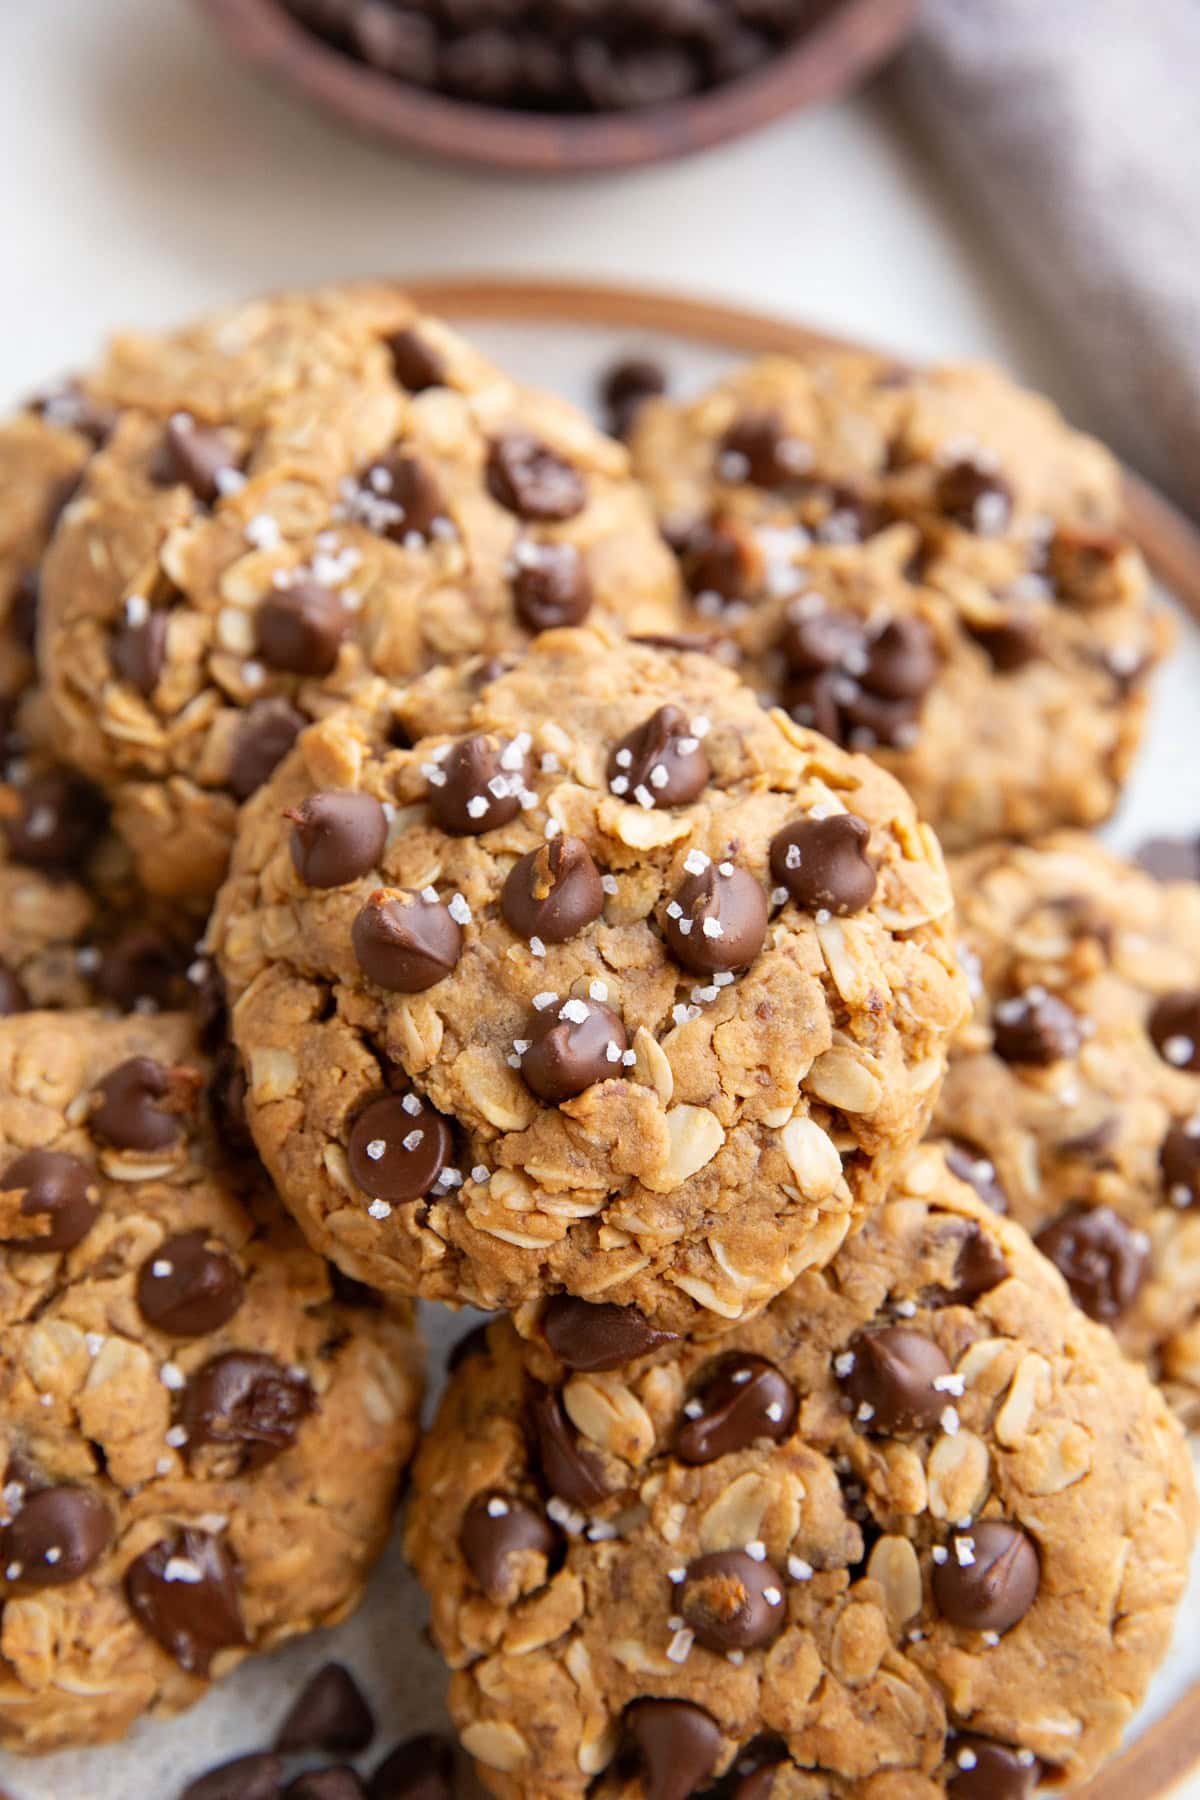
[200,1431]
[931,567]
[917,1527]
[1074,1091]
[615,983]
[295,493]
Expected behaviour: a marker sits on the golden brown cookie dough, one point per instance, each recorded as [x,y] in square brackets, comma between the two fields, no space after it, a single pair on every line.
[917,1526]
[298,492]
[1074,1091]
[931,567]
[200,1431]
[615,984]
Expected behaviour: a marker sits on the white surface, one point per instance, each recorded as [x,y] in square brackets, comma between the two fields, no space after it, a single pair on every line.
[143,179]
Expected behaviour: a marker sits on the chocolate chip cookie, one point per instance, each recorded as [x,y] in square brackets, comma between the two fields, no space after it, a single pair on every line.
[201,1430]
[918,1529]
[293,494]
[930,567]
[1074,1092]
[611,982]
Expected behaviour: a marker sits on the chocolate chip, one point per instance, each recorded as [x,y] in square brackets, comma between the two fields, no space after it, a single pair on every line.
[337,836]
[980,1266]
[679,1745]
[759,1784]
[568,1469]
[407,504]
[697,643]
[57,822]
[742,1400]
[1174,1025]
[891,1383]
[1012,643]
[340,1783]
[142,966]
[299,629]
[415,362]
[814,641]
[990,1577]
[398,1147]
[183,1591]
[758,448]
[70,408]
[57,1536]
[478,784]
[329,1713]
[857,687]
[187,1287]
[551,586]
[138,1104]
[661,762]
[13,997]
[139,648]
[497,1527]
[722,558]
[600,1335]
[731,1601]
[255,1777]
[422,1768]
[267,732]
[823,863]
[626,386]
[979,1172]
[58,1192]
[717,919]
[406,941]
[1179,1160]
[975,497]
[1103,1260]
[985,1770]
[246,1401]
[530,479]
[570,1046]
[902,660]
[1036,1029]
[553,892]
[196,456]
[1171,859]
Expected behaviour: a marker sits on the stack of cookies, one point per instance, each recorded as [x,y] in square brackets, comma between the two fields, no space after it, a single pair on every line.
[450,855]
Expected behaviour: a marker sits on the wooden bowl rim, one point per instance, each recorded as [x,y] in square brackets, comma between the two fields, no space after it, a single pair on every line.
[840,50]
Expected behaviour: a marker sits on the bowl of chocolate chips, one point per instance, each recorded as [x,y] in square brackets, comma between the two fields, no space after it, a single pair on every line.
[558,86]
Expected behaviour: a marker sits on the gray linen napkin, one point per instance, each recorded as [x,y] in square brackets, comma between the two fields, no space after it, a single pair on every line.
[1075,126]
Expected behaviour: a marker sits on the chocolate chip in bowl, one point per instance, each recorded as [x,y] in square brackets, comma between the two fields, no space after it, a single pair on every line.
[563,87]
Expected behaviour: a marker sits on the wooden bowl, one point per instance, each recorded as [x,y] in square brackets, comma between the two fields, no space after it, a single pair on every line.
[840,51]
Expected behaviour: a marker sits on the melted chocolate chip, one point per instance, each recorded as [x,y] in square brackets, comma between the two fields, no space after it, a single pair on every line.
[660,763]
[626,386]
[551,586]
[142,966]
[977,498]
[823,863]
[1179,1160]
[553,892]
[137,1105]
[742,1400]
[267,732]
[497,1527]
[183,1590]
[422,1768]
[590,1336]
[1012,643]
[255,1777]
[717,920]
[569,1470]
[57,824]
[990,1577]
[533,481]
[188,1287]
[478,784]
[891,1384]
[329,1713]
[979,1173]
[758,449]
[247,1401]
[679,1745]
[57,1536]
[1103,1260]
[1035,1028]
[408,504]
[340,1783]
[13,997]
[139,649]
[299,629]
[59,1195]
[398,1147]
[405,941]
[337,836]
[732,1602]
[571,1046]
[980,1266]
[721,558]
[197,456]
[986,1770]
[1174,1026]
[415,362]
